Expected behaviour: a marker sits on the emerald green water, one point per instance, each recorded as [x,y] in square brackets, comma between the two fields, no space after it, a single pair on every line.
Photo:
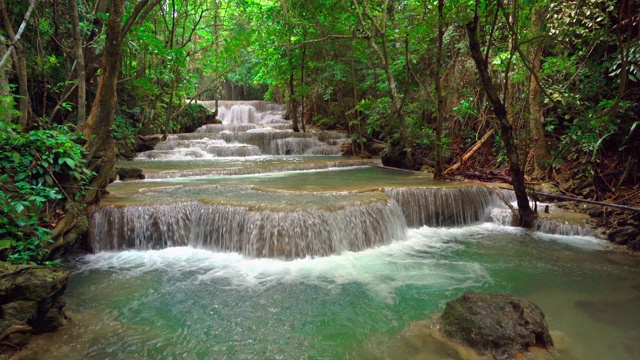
[196,304]
[192,303]
[170,168]
[337,180]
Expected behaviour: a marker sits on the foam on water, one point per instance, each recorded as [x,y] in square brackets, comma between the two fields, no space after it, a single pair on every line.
[422,259]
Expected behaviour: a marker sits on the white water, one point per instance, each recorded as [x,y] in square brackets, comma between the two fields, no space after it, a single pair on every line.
[381,269]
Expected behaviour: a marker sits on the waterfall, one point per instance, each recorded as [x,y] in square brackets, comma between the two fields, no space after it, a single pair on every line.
[444,206]
[259,105]
[251,232]
[218,128]
[265,143]
[557,227]
[262,221]
[249,128]
[168,174]
[245,112]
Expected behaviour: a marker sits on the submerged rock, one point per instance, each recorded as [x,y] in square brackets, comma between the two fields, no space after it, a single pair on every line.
[422,340]
[30,302]
[499,325]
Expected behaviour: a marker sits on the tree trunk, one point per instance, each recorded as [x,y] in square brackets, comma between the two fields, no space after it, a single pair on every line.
[437,174]
[293,105]
[383,55]
[5,91]
[304,56]
[169,115]
[77,44]
[527,216]
[98,129]
[21,61]
[536,116]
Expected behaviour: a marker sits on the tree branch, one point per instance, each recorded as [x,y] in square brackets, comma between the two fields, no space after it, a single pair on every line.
[139,13]
[14,37]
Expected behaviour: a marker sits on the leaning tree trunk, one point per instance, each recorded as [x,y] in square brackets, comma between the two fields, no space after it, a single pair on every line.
[4,83]
[98,129]
[517,175]
[383,56]
[20,59]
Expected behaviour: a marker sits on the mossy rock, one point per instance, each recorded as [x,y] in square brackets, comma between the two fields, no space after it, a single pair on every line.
[498,325]
[129,173]
[30,298]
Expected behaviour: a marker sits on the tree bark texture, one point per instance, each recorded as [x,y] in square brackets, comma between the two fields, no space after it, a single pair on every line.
[20,60]
[80,66]
[98,129]
[383,55]
[517,175]
[293,105]
[536,115]
[438,174]
[4,83]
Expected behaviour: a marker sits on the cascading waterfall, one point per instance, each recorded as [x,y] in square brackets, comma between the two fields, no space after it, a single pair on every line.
[259,105]
[263,143]
[557,227]
[219,128]
[257,223]
[263,170]
[203,260]
[249,128]
[251,232]
[445,206]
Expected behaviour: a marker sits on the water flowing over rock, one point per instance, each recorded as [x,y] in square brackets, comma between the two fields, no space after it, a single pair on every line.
[499,325]
[312,220]
[262,170]
[243,112]
[557,227]
[444,206]
[224,144]
[251,232]
[249,128]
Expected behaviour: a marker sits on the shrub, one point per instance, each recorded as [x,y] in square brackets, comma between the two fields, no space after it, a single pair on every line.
[39,168]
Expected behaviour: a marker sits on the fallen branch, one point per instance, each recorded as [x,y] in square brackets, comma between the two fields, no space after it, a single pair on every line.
[506,201]
[469,153]
[15,329]
[570,198]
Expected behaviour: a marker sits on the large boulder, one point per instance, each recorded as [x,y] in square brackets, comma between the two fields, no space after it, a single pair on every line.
[499,325]
[148,142]
[30,301]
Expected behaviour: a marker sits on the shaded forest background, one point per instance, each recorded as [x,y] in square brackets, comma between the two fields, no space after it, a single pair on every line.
[86,81]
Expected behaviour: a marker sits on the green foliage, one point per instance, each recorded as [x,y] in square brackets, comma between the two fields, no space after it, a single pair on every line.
[465,108]
[377,113]
[36,168]
[8,106]
[586,136]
